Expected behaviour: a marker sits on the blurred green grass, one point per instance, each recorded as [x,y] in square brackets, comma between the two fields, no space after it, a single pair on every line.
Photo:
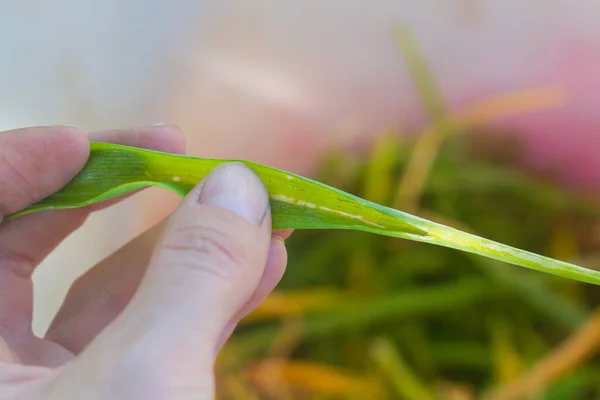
[364,317]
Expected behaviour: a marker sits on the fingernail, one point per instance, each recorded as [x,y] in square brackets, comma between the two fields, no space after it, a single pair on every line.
[236,188]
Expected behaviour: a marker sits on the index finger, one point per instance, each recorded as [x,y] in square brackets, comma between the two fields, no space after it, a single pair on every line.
[36,162]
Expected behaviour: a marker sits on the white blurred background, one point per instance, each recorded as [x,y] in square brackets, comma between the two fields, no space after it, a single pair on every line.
[279,81]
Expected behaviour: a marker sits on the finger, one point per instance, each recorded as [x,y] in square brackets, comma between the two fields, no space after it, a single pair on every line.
[97,297]
[206,267]
[26,241]
[272,274]
[34,163]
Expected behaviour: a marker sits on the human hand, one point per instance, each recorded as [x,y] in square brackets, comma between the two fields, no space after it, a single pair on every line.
[137,325]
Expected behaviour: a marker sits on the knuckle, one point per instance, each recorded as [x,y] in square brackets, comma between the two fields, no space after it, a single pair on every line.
[21,264]
[207,249]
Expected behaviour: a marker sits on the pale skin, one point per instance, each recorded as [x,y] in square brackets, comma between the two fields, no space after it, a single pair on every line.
[148,321]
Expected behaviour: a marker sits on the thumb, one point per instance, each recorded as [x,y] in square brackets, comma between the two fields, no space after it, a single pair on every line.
[204,269]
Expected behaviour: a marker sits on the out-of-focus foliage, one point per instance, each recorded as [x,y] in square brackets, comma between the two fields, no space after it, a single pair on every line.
[409,320]
[364,317]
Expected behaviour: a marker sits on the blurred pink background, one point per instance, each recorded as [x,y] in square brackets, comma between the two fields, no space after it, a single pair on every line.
[278,82]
